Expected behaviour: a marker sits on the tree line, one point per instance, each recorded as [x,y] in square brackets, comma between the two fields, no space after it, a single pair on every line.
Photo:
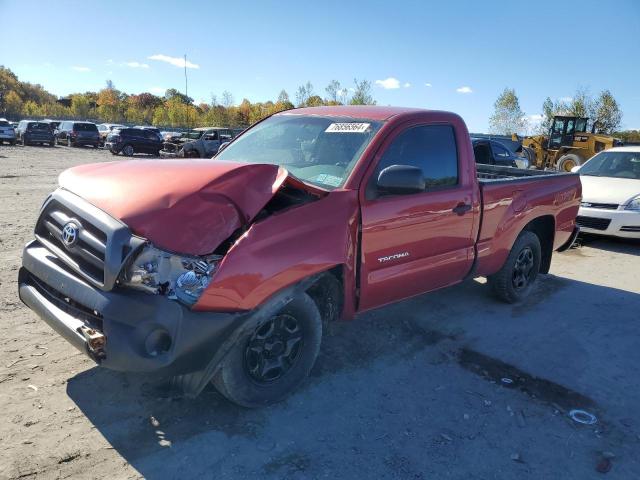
[603,111]
[22,99]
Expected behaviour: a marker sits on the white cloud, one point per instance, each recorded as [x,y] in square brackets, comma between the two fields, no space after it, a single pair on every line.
[80,69]
[390,83]
[428,85]
[158,90]
[136,65]
[536,117]
[407,85]
[464,90]
[175,61]
[566,99]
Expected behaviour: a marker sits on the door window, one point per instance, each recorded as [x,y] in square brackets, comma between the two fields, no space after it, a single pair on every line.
[432,148]
[499,151]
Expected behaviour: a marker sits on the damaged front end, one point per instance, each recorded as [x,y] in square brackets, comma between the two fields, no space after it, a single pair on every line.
[177,277]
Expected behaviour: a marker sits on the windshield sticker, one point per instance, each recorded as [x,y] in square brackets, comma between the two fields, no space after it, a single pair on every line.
[328,179]
[348,128]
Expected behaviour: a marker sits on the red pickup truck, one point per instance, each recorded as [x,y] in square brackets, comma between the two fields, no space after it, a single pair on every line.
[225,270]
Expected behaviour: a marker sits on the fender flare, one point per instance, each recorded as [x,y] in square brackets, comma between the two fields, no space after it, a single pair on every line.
[193,383]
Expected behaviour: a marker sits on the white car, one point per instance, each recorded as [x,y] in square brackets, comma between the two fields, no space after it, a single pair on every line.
[611,193]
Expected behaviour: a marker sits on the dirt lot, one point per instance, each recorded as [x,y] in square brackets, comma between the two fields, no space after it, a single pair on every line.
[409,391]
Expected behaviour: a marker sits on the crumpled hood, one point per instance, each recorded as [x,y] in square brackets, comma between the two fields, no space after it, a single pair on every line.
[185,206]
[608,189]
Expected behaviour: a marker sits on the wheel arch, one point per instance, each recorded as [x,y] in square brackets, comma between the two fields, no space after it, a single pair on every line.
[544,227]
[327,292]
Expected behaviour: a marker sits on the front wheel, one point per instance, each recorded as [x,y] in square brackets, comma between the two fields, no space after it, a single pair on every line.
[514,281]
[567,162]
[270,361]
[128,150]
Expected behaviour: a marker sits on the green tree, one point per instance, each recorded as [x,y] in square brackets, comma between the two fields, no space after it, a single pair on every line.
[607,115]
[507,116]
[303,94]
[362,93]
[333,92]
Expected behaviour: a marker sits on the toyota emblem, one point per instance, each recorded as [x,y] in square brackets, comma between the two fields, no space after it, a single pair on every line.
[70,234]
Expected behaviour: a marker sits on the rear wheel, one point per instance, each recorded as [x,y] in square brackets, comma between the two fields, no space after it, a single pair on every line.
[514,281]
[267,363]
[568,161]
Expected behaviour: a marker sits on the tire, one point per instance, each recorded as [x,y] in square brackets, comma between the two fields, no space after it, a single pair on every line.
[514,281]
[128,150]
[568,161]
[242,378]
[114,152]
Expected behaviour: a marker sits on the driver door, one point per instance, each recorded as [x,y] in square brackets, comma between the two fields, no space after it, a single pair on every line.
[417,242]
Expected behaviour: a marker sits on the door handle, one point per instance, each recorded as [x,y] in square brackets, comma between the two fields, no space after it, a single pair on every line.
[461,208]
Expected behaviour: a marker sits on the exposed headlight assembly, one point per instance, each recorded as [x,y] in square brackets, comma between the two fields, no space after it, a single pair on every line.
[633,204]
[177,277]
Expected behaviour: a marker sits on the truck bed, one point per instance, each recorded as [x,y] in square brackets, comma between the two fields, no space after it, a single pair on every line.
[511,196]
[493,173]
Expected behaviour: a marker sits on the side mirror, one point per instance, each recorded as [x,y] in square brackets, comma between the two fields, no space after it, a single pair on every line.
[575,169]
[401,179]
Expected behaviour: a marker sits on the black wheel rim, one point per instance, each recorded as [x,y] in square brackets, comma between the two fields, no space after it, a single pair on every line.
[273,349]
[523,268]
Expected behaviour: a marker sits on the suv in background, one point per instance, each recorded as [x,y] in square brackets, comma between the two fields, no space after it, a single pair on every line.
[150,129]
[31,131]
[105,129]
[7,133]
[75,134]
[133,140]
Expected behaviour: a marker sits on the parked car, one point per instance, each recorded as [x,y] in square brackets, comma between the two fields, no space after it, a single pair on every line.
[30,132]
[7,132]
[105,128]
[76,134]
[150,129]
[199,142]
[225,269]
[53,124]
[611,193]
[491,152]
[129,141]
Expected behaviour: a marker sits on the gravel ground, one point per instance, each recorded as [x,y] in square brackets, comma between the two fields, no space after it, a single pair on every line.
[413,390]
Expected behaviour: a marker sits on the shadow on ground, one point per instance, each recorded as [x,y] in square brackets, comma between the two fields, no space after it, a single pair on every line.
[629,246]
[389,389]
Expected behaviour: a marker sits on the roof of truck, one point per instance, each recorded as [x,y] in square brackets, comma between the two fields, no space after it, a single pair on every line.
[370,112]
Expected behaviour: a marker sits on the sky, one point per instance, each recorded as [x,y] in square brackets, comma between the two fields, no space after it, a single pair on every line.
[448,55]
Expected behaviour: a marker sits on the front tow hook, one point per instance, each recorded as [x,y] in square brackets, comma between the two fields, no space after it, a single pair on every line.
[96,341]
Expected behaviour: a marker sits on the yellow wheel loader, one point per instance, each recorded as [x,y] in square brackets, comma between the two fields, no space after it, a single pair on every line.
[568,144]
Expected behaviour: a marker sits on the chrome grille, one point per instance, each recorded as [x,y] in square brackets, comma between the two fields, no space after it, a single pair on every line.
[102,245]
[593,222]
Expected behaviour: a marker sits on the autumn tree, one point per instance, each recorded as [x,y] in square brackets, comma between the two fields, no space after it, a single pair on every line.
[109,105]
